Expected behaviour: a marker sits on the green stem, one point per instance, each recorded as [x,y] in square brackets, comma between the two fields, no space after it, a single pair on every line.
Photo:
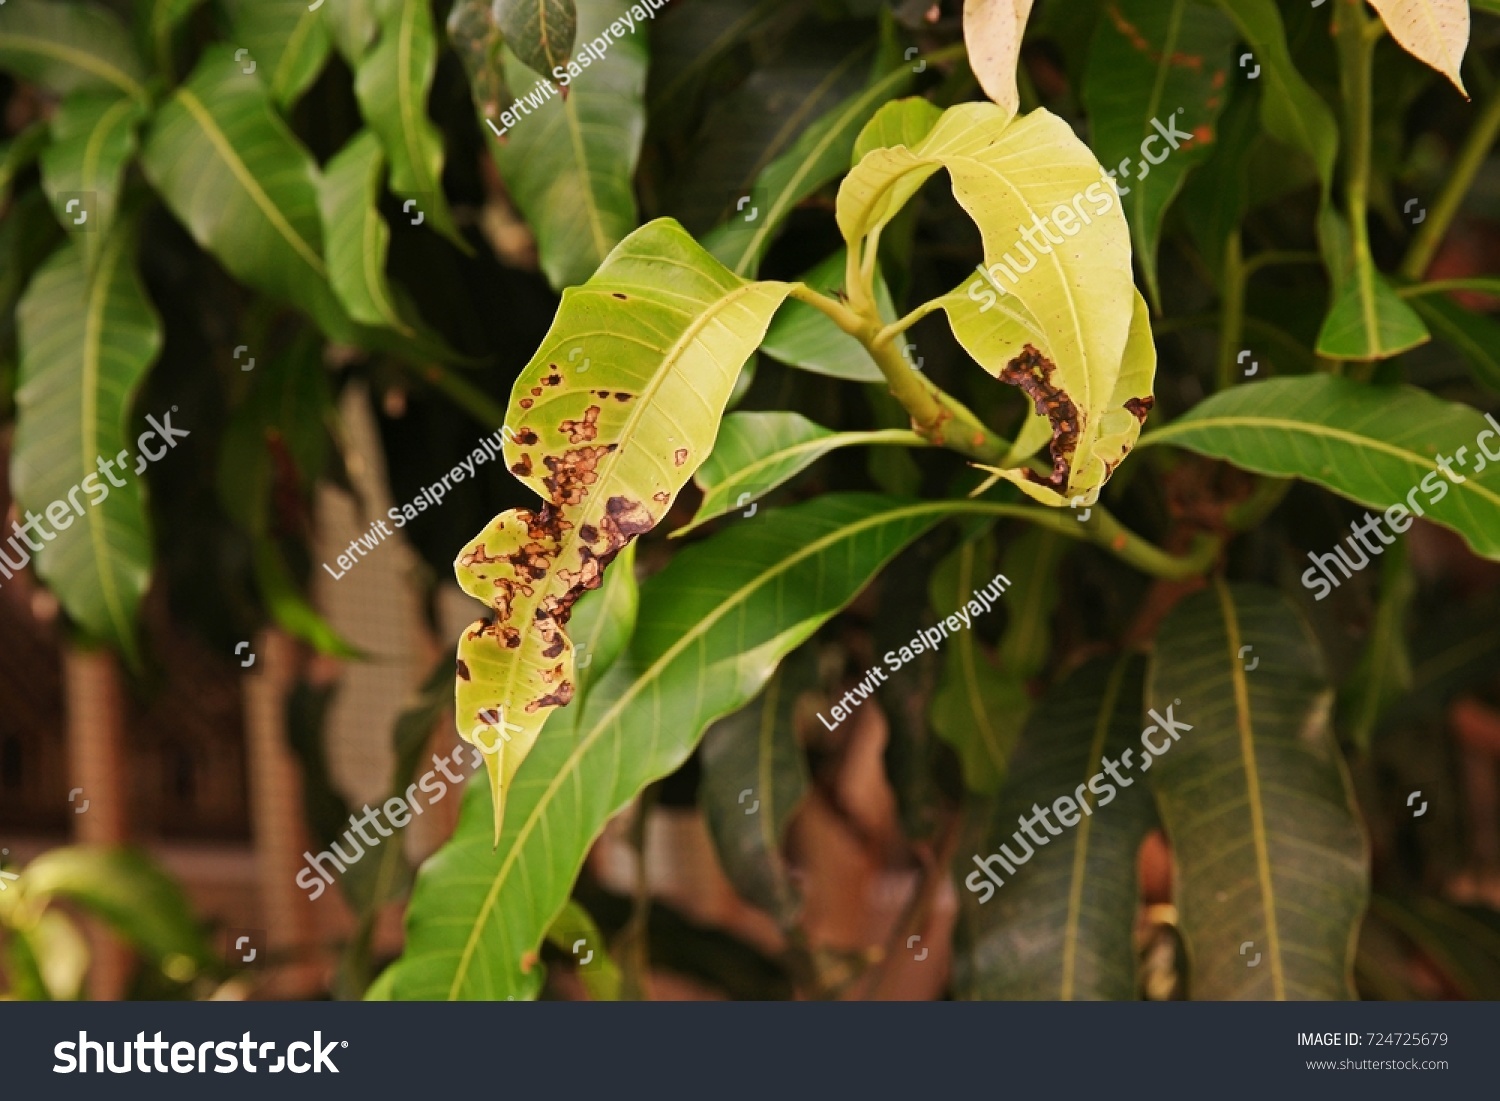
[1475,149]
[1232,327]
[896,328]
[1484,285]
[1356,36]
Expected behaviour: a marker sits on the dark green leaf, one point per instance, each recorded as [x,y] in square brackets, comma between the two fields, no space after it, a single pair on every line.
[65,47]
[288,43]
[539,32]
[93,142]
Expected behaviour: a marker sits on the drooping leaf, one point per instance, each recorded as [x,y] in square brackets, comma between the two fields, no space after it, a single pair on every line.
[539,32]
[1070,331]
[245,188]
[570,161]
[392,84]
[756,452]
[1269,856]
[1058,927]
[1377,445]
[804,337]
[476,38]
[993,30]
[129,891]
[575,932]
[754,775]
[286,39]
[713,626]
[1369,320]
[87,339]
[1158,76]
[665,328]
[93,141]
[65,47]
[1433,31]
[820,155]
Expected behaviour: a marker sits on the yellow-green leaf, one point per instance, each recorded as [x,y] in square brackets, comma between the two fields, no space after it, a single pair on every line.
[992,34]
[662,328]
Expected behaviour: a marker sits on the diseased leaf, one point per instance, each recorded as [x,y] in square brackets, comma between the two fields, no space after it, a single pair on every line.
[1267,848]
[754,775]
[245,188]
[1433,31]
[66,47]
[93,141]
[666,328]
[1380,446]
[993,30]
[756,452]
[87,339]
[1059,926]
[714,624]
[570,161]
[1061,328]
[540,32]
[288,42]
[392,83]
[1157,77]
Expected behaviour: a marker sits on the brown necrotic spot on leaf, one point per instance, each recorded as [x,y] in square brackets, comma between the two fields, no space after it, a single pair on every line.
[661,498]
[620,296]
[573,472]
[623,397]
[526,403]
[553,377]
[536,391]
[527,438]
[1140,407]
[581,431]
[561,698]
[1032,372]
[463,670]
[521,467]
[680,456]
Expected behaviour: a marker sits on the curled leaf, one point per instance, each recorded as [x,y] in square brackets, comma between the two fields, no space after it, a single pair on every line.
[992,34]
[1433,31]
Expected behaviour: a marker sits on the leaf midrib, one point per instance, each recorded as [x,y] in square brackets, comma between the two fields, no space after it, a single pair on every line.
[80,59]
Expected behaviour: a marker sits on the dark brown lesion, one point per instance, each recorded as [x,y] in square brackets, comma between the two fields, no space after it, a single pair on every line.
[521,468]
[1032,372]
[680,456]
[463,670]
[1141,407]
[573,472]
[582,431]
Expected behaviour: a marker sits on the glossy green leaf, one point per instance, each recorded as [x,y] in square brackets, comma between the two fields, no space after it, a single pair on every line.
[65,47]
[392,84]
[245,188]
[87,340]
[288,42]
[1069,329]
[575,933]
[128,890]
[1369,320]
[714,624]
[1377,445]
[1158,76]
[570,162]
[754,775]
[1474,336]
[1268,852]
[93,142]
[804,337]
[1059,927]
[820,155]
[756,452]
[539,32]
[662,328]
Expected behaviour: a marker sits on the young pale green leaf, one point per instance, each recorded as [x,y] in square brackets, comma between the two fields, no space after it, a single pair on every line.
[392,83]
[93,141]
[1058,927]
[1369,320]
[129,891]
[900,122]
[1066,326]
[803,337]
[288,42]
[1474,336]
[1267,846]
[820,155]
[1291,111]
[993,30]
[756,452]
[754,775]
[574,931]
[87,339]
[714,624]
[245,188]
[664,328]
[1157,77]
[570,161]
[1382,446]
[1433,31]
[66,47]
[539,32]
